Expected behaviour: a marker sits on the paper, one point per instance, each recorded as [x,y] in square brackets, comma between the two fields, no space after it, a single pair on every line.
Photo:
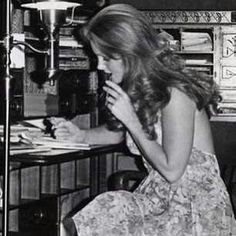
[57,144]
[31,133]
[196,41]
[17,53]
[196,61]
[38,123]
[28,150]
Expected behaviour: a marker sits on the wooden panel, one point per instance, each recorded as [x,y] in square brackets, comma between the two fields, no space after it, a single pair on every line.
[50,179]
[30,188]
[68,175]
[14,187]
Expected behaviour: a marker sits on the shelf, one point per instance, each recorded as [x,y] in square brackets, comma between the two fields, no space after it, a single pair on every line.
[196,64]
[65,191]
[18,234]
[194,52]
[224,118]
[24,202]
[48,195]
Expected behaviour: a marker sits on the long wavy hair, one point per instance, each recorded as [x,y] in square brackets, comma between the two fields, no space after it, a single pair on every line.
[151,68]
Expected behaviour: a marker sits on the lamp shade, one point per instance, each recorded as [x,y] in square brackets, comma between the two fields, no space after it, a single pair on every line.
[50,5]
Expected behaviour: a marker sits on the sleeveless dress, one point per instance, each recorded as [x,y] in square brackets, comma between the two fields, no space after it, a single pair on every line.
[196,205]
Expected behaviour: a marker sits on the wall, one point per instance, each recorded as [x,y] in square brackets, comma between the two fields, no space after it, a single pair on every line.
[181,4]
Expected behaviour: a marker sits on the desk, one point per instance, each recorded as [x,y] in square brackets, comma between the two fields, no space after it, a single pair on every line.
[41,185]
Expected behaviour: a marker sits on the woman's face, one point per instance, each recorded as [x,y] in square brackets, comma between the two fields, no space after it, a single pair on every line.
[115,67]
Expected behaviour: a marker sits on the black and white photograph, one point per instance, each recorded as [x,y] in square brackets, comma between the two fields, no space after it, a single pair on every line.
[117,118]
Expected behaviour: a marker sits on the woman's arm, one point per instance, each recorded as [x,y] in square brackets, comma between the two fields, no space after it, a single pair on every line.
[101,135]
[170,158]
[177,120]
[68,131]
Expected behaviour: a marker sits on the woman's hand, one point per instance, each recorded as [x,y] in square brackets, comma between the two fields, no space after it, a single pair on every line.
[118,102]
[67,131]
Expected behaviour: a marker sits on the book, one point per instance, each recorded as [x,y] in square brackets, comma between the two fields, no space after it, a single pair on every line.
[14,129]
[69,41]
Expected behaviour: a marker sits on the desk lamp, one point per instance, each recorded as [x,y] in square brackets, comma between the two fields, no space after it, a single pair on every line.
[52,15]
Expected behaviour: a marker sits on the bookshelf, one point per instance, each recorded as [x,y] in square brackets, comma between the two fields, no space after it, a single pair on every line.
[78,85]
[194,44]
[206,40]
[71,53]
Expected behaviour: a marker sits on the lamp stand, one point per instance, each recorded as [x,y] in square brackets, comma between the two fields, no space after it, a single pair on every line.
[53,20]
[7,79]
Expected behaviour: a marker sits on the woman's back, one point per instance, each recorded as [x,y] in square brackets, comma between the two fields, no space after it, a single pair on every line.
[203,139]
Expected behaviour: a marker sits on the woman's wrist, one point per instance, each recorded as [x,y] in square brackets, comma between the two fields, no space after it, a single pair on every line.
[133,123]
[81,137]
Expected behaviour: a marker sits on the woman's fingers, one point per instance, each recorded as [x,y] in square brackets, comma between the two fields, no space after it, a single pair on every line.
[64,130]
[61,131]
[64,124]
[118,102]
[114,86]
[110,92]
[61,134]
[56,121]
[112,89]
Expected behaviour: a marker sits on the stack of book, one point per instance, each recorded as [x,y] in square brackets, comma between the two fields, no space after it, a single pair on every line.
[18,144]
[15,132]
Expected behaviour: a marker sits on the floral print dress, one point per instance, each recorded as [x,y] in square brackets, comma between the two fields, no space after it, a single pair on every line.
[196,205]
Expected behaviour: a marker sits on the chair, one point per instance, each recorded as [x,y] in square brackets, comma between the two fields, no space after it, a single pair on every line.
[128,179]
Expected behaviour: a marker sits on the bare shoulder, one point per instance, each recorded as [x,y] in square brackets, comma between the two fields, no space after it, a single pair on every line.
[179,101]
[178,95]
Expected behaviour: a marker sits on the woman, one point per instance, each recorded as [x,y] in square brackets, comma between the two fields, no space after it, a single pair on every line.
[162,107]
